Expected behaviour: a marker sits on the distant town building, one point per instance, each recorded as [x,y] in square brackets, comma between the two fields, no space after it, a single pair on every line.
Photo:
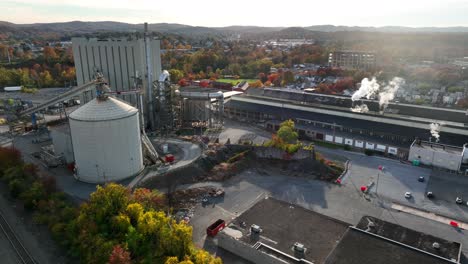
[352,59]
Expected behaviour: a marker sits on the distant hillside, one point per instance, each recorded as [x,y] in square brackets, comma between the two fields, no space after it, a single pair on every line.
[396,29]
[73,28]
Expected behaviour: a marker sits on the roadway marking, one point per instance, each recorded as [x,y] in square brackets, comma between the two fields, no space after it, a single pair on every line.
[428,215]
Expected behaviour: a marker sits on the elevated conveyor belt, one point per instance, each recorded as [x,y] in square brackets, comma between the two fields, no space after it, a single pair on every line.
[62,97]
[149,148]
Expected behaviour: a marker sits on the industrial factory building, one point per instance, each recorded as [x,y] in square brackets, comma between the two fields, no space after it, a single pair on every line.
[277,232]
[399,124]
[120,61]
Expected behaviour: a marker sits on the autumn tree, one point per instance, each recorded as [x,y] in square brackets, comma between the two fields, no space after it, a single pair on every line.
[288,77]
[49,53]
[176,75]
[119,256]
[256,84]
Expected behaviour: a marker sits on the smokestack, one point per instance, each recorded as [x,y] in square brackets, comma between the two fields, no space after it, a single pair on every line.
[149,76]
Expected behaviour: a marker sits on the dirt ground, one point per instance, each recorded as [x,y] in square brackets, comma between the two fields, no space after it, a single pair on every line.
[217,164]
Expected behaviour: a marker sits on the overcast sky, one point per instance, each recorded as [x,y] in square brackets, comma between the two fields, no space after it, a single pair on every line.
[214,13]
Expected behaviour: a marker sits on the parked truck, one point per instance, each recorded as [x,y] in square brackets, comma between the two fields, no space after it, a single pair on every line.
[214,228]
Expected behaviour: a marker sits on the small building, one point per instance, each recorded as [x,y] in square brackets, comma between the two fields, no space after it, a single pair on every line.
[241,87]
[437,155]
[12,88]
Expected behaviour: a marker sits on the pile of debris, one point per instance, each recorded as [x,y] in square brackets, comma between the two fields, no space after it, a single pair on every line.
[188,198]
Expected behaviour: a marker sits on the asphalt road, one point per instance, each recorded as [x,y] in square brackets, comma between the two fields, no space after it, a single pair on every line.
[190,152]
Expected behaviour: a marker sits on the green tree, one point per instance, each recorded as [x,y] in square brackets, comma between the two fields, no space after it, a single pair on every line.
[176,75]
[287,133]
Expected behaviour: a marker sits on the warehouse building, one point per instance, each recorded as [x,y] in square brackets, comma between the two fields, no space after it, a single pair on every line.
[277,232]
[400,124]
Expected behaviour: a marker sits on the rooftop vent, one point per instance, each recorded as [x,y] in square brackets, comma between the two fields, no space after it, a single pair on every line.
[370,225]
[255,229]
[435,245]
[298,247]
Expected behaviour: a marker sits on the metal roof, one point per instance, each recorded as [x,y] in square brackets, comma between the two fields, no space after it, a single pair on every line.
[103,110]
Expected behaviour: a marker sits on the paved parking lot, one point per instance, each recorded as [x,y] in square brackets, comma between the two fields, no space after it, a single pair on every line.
[392,182]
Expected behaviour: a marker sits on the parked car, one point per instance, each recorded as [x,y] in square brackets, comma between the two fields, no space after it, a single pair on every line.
[459,200]
[429,195]
[421,179]
[408,195]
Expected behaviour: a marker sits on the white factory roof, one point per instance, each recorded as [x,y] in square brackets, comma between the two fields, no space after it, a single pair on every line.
[102,110]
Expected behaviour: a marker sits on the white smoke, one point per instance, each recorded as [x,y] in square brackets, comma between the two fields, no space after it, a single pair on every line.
[367,89]
[360,108]
[435,129]
[386,93]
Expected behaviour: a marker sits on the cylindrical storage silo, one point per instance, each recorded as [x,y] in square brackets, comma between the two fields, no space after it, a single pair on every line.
[106,141]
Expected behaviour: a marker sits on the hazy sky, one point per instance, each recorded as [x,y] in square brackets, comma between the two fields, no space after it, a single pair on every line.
[425,13]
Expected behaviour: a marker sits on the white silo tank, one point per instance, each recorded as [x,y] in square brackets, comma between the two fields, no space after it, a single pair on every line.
[106,141]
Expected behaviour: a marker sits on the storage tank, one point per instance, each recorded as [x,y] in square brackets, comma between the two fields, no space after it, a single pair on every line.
[106,141]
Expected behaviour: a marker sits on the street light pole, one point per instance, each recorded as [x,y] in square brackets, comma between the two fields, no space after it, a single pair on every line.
[377,184]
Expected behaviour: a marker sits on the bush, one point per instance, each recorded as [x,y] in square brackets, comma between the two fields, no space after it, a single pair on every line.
[16,187]
[293,148]
[369,152]
[347,147]
[33,195]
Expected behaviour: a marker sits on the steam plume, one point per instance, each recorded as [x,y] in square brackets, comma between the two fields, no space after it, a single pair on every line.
[360,108]
[388,92]
[371,87]
[435,129]
[367,89]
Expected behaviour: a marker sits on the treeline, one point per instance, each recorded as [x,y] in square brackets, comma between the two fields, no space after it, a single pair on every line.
[241,58]
[53,68]
[115,226]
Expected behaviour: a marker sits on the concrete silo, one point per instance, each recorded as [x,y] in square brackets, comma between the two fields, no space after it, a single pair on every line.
[106,141]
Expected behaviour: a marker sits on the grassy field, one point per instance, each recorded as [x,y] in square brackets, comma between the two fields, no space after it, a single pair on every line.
[234,81]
